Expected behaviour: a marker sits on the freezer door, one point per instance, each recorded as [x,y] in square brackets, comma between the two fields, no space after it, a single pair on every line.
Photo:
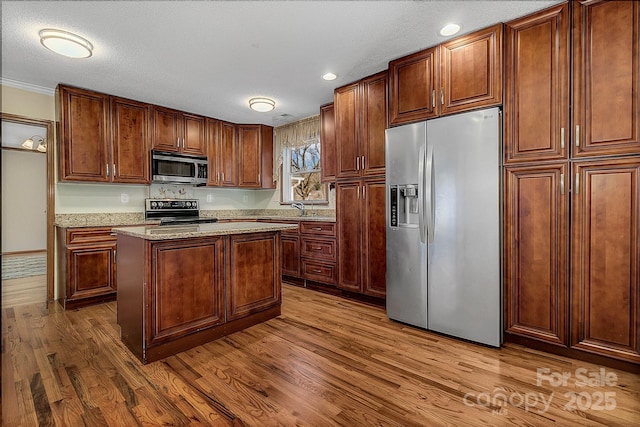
[464,257]
[406,254]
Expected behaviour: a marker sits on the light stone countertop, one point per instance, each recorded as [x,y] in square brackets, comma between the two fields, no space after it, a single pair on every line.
[199,230]
[137,218]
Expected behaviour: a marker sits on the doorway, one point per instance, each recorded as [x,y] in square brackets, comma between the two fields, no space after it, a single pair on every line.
[27,210]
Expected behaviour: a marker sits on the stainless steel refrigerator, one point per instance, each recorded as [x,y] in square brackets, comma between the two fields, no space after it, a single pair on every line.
[443,225]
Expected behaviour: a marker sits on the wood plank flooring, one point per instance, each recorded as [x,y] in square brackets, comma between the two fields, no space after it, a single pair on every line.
[326,361]
[24,290]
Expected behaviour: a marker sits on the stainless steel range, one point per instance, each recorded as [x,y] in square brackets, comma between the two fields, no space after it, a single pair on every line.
[175,211]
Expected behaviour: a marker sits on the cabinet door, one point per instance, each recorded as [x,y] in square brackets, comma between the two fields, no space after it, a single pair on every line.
[536,107]
[130,141]
[605,280]
[213,152]
[606,91]
[535,247]
[412,83]
[349,217]
[346,104]
[166,129]
[193,138]
[471,71]
[249,156]
[83,119]
[228,155]
[374,122]
[254,274]
[327,143]
[290,255]
[91,271]
[187,287]
[374,241]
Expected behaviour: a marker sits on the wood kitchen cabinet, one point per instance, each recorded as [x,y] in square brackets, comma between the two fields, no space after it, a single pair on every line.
[536,107]
[360,121]
[130,137]
[462,74]
[606,78]
[102,138]
[253,258]
[86,265]
[255,156]
[327,143]
[176,131]
[222,154]
[605,275]
[536,251]
[187,287]
[361,239]
[83,122]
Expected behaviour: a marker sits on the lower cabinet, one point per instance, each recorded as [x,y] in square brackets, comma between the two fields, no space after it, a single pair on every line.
[360,207]
[186,287]
[86,265]
[572,274]
[176,294]
[605,245]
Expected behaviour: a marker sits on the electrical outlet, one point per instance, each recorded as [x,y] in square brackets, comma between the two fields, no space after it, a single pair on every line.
[124,198]
[245,198]
[209,198]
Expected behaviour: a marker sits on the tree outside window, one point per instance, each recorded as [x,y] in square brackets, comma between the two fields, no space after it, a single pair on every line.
[301,174]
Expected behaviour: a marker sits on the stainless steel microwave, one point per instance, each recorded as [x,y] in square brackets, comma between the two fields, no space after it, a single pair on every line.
[174,168]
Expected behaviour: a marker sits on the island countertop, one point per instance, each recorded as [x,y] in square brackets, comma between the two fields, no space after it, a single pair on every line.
[155,232]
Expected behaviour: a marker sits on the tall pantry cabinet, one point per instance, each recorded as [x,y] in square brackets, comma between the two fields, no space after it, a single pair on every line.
[572,179]
[360,111]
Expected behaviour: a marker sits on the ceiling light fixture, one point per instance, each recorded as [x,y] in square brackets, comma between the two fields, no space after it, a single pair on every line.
[262,104]
[66,43]
[42,144]
[449,29]
[330,76]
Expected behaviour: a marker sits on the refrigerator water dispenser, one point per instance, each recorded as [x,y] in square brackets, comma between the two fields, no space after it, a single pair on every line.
[404,205]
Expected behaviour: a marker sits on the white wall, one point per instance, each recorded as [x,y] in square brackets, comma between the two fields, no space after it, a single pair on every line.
[24,201]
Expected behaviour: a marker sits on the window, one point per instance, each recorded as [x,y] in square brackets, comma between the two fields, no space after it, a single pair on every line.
[301,174]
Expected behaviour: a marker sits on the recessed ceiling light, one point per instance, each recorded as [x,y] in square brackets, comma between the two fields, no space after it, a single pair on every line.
[262,104]
[66,43]
[330,76]
[449,29]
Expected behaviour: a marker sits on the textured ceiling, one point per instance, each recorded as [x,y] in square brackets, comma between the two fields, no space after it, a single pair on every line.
[210,57]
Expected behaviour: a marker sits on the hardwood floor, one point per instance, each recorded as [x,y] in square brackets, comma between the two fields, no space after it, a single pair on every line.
[325,361]
[24,290]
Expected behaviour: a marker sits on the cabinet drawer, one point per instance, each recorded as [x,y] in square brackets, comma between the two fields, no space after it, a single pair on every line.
[319,248]
[318,228]
[319,271]
[89,235]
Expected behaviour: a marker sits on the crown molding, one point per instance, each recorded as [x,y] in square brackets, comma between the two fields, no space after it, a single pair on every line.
[27,86]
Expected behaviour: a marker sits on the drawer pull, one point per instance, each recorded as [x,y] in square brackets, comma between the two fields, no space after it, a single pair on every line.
[317,228]
[316,248]
[316,271]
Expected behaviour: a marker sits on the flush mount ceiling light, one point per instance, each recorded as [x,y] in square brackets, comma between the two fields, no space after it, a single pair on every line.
[330,76]
[42,144]
[66,43]
[449,29]
[262,104]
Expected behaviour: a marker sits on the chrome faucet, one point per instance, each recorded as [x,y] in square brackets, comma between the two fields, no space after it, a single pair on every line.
[299,205]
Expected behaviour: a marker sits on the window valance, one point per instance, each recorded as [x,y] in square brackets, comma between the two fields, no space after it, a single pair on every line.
[296,134]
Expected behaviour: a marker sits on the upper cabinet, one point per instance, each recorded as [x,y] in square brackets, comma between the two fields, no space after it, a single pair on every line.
[606,85]
[360,121]
[461,74]
[102,138]
[327,143]
[177,131]
[536,107]
[255,156]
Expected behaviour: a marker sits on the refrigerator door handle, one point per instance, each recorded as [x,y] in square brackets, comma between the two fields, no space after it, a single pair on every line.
[429,196]
[421,195]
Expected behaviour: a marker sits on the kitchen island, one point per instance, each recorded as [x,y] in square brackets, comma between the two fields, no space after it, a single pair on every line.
[182,286]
